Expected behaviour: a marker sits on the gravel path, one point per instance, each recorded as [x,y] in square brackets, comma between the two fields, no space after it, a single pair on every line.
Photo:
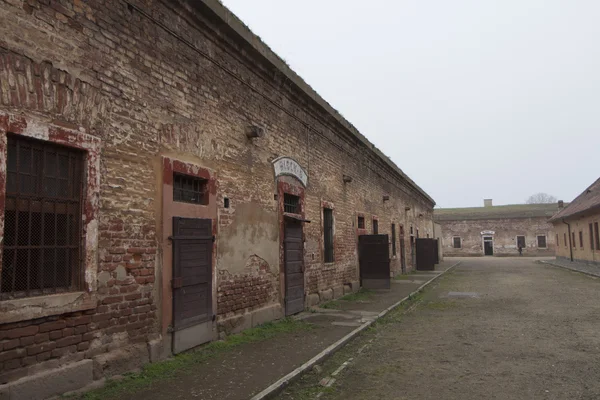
[494,328]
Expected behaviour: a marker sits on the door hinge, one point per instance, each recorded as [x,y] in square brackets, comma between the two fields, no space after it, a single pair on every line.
[177,283]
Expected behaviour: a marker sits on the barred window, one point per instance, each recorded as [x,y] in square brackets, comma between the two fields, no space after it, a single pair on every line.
[592,236]
[581,239]
[328,235]
[573,243]
[597,235]
[375,227]
[190,189]
[42,219]
[291,203]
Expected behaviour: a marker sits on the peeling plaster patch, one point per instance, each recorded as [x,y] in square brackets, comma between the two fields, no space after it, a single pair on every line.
[121,273]
[103,277]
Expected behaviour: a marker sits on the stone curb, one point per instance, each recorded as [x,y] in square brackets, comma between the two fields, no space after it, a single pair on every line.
[282,383]
[567,268]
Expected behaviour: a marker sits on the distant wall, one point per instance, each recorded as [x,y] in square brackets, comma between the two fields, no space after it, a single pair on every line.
[504,237]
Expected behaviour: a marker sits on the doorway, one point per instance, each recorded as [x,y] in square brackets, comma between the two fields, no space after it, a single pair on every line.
[192,282]
[488,245]
[293,247]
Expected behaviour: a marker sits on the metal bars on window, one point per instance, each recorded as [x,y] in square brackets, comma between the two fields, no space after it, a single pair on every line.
[190,189]
[328,235]
[42,219]
[291,203]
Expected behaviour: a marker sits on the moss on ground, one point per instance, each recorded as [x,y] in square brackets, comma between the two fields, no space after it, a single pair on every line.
[361,295]
[171,368]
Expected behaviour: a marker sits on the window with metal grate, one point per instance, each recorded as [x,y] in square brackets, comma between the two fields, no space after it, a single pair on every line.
[190,189]
[291,203]
[361,222]
[375,227]
[42,219]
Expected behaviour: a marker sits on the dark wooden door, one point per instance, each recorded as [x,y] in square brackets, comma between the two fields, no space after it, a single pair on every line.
[293,247]
[488,247]
[192,271]
[426,254]
[402,255]
[374,261]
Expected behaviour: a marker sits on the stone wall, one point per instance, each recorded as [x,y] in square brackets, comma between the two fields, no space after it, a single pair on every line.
[505,236]
[150,80]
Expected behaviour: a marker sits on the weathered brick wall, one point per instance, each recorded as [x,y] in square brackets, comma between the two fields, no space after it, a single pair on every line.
[151,80]
[505,237]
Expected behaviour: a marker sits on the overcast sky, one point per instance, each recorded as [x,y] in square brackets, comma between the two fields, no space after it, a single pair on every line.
[472,99]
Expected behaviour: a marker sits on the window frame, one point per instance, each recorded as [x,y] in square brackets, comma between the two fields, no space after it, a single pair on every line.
[62,241]
[203,199]
[545,241]
[573,243]
[328,235]
[375,226]
[359,219]
[581,239]
[393,229]
[524,241]
[454,242]
[85,299]
[597,232]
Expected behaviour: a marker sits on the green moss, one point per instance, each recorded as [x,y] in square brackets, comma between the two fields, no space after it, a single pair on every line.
[181,363]
[361,295]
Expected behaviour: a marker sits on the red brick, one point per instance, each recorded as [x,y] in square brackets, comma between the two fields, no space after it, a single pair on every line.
[20,332]
[26,341]
[84,319]
[55,335]
[10,344]
[12,364]
[40,348]
[68,341]
[42,337]
[112,300]
[52,326]
[44,356]
[11,354]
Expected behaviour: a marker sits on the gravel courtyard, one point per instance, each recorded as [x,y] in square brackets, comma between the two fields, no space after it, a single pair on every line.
[493,328]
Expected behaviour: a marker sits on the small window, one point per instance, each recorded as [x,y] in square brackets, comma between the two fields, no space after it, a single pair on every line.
[328,235]
[597,236]
[591,236]
[190,189]
[581,239]
[557,243]
[457,242]
[573,243]
[521,242]
[417,233]
[565,239]
[411,230]
[393,239]
[541,241]
[375,227]
[361,222]
[42,219]
[291,203]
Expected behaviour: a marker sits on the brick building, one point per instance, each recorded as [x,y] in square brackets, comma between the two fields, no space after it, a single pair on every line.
[497,230]
[576,227]
[164,178]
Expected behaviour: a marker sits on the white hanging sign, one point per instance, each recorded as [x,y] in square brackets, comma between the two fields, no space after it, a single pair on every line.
[289,166]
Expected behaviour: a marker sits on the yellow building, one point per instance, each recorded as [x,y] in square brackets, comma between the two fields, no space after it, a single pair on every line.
[576,227]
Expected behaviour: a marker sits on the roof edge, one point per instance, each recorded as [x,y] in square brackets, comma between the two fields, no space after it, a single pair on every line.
[262,48]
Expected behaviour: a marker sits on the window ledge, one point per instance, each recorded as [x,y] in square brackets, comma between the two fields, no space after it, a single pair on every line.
[44,306]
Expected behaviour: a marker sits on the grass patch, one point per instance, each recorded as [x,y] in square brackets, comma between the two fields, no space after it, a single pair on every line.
[361,295]
[439,305]
[184,363]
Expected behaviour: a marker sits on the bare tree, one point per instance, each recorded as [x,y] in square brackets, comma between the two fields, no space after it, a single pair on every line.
[541,198]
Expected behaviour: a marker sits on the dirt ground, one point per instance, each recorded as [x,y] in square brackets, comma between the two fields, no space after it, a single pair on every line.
[493,328]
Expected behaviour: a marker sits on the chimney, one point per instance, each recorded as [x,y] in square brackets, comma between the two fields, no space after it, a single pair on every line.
[487,202]
[561,204]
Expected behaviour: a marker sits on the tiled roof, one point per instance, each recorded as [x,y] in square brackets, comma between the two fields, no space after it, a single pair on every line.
[589,199]
[495,212]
